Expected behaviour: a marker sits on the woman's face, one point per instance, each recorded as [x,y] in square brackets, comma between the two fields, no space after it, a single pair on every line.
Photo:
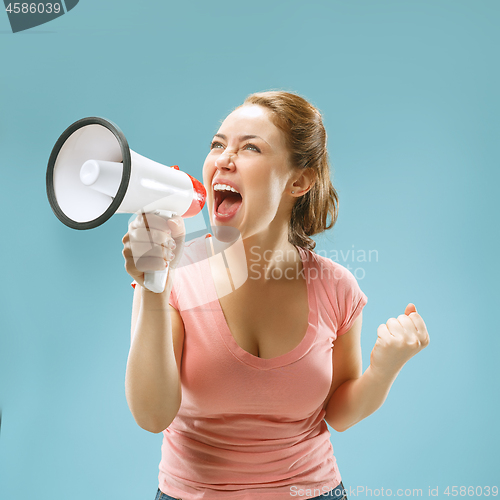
[249,153]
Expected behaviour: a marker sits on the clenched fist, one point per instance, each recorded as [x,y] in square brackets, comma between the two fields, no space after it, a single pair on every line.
[398,341]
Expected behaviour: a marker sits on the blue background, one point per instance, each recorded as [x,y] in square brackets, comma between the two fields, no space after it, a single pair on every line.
[409,92]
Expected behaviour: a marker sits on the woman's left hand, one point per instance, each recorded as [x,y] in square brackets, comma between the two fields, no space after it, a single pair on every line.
[398,341]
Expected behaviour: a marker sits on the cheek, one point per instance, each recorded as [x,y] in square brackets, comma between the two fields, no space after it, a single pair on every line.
[266,199]
[273,186]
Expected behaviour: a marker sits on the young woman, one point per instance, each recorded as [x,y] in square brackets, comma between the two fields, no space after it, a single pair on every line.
[242,362]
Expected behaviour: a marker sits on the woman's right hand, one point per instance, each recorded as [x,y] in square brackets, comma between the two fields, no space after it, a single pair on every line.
[151,243]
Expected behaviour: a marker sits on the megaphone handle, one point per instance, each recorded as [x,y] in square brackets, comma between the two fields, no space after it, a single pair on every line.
[156,280]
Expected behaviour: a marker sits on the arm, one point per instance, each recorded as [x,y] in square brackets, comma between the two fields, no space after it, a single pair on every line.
[152,380]
[355,396]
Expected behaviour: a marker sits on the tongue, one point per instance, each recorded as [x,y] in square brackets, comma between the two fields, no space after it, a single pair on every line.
[230,204]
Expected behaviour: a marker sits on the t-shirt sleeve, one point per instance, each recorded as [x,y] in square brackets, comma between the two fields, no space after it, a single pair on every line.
[350,299]
[172,299]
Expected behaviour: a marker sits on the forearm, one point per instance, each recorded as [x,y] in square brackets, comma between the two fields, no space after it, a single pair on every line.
[152,382]
[355,399]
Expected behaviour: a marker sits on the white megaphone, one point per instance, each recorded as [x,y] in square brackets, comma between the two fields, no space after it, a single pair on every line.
[93,174]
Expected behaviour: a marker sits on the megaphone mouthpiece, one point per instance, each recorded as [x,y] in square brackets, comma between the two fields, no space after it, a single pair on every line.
[199,197]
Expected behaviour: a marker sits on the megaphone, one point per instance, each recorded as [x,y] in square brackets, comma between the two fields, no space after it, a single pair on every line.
[93,174]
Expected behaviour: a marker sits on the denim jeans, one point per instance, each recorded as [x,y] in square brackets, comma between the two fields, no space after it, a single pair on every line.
[337,493]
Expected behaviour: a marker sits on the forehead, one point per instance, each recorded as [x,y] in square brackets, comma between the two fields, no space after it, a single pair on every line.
[252,119]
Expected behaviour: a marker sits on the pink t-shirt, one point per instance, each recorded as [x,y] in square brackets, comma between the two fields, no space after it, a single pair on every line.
[250,427]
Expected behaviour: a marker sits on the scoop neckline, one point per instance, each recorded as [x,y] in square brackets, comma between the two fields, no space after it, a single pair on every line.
[284,359]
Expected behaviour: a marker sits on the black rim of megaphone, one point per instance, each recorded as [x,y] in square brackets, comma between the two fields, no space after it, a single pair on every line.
[92,120]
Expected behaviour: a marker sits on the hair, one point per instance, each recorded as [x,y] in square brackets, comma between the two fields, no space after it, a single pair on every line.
[306,138]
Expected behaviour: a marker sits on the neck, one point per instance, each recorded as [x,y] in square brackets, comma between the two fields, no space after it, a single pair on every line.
[269,254]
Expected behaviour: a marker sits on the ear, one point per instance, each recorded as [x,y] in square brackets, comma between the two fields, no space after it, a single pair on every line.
[304,182]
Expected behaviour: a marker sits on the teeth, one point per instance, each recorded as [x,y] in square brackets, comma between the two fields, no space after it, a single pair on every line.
[224,187]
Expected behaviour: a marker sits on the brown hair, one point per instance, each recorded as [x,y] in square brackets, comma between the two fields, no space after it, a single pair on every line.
[306,138]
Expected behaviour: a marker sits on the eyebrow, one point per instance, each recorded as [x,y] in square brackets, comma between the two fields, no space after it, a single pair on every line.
[242,138]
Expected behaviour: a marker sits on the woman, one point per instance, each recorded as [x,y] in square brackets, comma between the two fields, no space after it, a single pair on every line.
[242,383]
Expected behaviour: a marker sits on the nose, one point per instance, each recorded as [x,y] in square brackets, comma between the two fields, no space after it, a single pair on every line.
[225,160]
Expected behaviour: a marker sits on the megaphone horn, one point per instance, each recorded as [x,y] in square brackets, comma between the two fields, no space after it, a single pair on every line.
[93,174]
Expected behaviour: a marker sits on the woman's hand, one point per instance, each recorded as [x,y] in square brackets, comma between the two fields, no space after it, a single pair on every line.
[151,243]
[398,341]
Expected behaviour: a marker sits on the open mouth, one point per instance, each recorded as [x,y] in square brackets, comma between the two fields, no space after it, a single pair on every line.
[227,203]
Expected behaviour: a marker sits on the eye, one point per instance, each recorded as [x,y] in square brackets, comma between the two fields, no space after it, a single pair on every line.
[216,145]
[252,147]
